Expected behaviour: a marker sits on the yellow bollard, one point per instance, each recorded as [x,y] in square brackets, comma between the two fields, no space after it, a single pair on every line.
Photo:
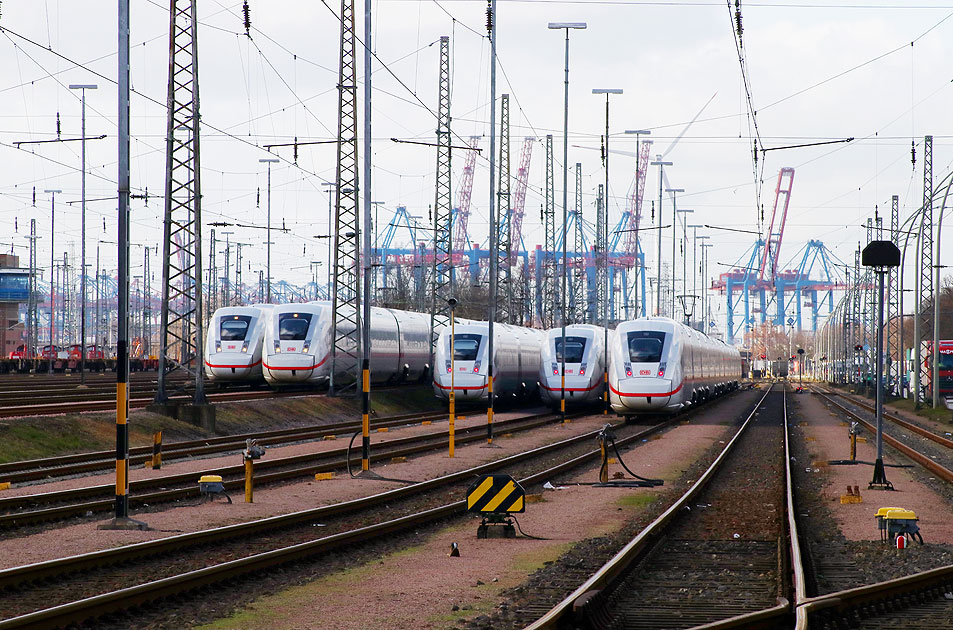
[249,488]
[157,450]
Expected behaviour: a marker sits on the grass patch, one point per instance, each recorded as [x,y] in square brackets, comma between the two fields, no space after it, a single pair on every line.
[939,414]
[636,500]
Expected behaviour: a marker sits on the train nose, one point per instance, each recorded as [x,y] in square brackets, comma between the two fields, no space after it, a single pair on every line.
[289,367]
[645,393]
[465,386]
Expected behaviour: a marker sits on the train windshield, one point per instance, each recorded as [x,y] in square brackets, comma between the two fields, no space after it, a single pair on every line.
[235,327]
[645,346]
[293,326]
[945,360]
[575,346]
[466,346]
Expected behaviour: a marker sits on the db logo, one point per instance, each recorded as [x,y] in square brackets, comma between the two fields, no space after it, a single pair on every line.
[644,372]
[231,346]
[292,349]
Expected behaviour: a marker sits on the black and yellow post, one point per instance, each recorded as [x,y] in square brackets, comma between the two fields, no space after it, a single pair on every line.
[562,389]
[453,368]
[249,481]
[122,520]
[605,388]
[365,415]
[489,403]
[157,450]
[853,441]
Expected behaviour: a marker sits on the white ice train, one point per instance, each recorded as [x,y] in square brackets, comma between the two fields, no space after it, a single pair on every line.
[516,361]
[297,345]
[660,365]
[585,364]
[234,342]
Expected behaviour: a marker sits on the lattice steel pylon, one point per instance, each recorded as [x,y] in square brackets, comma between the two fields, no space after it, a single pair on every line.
[504,306]
[32,322]
[181,331]
[549,283]
[924,306]
[346,293]
[579,277]
[442,266]
[892,301]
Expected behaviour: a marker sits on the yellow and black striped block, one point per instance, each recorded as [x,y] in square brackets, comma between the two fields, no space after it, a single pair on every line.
[498,494]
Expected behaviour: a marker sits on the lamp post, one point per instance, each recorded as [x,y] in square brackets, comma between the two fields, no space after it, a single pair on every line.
[685,214]
[704,273]
[52,193]
[638,196]
[674,192]
[269,162]
[565,26]
[658,272]
[605,254]
[881,255]
[82,275]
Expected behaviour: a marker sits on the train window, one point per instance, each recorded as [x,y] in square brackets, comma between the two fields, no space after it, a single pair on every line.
[645,346]
[466,346]
[575,346]
[293,326]
[234,327]
[945,361]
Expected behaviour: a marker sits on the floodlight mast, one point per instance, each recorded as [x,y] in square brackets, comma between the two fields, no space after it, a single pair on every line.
[567,26]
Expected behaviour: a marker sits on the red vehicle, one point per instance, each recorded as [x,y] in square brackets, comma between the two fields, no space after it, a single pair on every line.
[20,353]
[75,352]
[944,367]
[48,353]
[93,352]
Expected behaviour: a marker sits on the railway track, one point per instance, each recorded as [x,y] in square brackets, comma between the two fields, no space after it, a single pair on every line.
[931,451]
[83,463]
[81,588]
[26,510]
[711,556]
[61,395]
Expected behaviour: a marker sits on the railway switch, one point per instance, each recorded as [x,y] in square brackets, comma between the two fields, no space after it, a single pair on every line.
[495,497]
[211,486]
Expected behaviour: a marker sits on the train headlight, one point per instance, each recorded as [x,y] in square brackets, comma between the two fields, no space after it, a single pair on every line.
[307,346]
[661,370]
[277,347]
[218,346]
[476,367]
[244,347]
[449,367]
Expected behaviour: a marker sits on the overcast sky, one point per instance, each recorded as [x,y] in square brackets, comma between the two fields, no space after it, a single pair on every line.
[817,71]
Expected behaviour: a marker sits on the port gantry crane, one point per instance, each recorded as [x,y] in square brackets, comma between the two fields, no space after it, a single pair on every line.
[758,273]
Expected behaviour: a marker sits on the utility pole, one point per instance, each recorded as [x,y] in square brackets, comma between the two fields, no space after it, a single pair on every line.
[346,296]
[52,354]
[924,273]
[32,306]
[892,303]
[441,271]
[269,162]
[658,272]
[546,292]
[181,329]
[505,240]
[579,280]
[494,219]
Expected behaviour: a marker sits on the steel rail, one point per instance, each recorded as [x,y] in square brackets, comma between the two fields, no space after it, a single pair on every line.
[137,595]
[564,613]
[326,461]
[941,471]
[29,470]
[906,424]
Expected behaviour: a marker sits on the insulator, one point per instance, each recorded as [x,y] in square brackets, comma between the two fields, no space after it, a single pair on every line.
[104,225]
[489,17]
[296,150]
[913,154]
[58,129]
[738,27]
[34,196]
[653,210]
[246,12]
[755,145]
[258,197]
[15,228]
